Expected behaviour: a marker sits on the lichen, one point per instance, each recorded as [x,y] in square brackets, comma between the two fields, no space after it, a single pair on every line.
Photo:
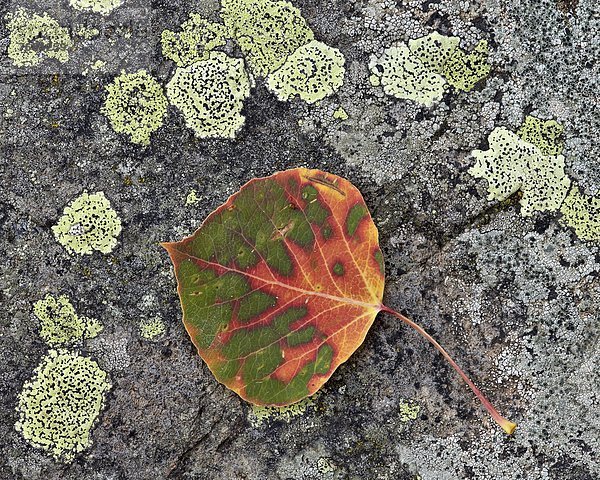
[325,465]
[340,114]
[546,135]
[192,197]
[511,164]
[60,325]
[34,37]
[582,213]
[434,50]
[267,31]
[210,95]
[312,72]
[103,7]
[88,223]
[258,415]
[135,105]
[408,411]
[402,75]
[152,328]
[197,38]
[59,406]
[463,70]
[86,32]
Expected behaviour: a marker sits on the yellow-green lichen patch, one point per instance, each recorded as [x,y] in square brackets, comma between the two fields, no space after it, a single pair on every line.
[312,72]
[152,328]
[340,114]
[210,95]
[582,213]
[325,465]
[434,50]
[546,135]
[135,105]
[59,406]
[193,43]
[402,75]
[408,411]
[60,325]
[98,6]
[511,164]
[88,223]
[267,31]
[34,37]
[463,70]
[85,32]
[258,415]
[192,197]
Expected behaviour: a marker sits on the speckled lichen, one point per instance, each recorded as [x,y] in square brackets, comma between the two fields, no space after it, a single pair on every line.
[340,114]
[135,105]
[152,328]
[59,406]
[582,213]
[325,465]
[98,6]
[193,43]
[511,164]
[408,411]
[434,50]
[258,415]
[313,72]
[88,223]
[60,325]
[267,31]
[86,32]
[34,37]
[402,75]
[546,135]
[210,95]
[463,70]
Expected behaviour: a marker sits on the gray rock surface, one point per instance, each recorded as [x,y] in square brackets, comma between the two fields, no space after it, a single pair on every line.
[516,300]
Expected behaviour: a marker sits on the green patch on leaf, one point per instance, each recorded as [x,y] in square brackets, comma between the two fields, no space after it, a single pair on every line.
[356,214]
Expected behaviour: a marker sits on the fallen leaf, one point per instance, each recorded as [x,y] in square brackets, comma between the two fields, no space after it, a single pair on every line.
[281,284]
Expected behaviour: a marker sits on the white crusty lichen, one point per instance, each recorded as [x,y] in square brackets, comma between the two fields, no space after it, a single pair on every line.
[59,406]
[135,105]
[210,94]
[313,72]
[511,164]
[88,223]
[34,37]
[59,323]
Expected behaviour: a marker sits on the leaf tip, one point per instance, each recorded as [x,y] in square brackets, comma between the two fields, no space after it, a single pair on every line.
[508,426]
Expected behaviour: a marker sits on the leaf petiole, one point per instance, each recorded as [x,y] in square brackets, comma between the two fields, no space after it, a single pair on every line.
[507,426]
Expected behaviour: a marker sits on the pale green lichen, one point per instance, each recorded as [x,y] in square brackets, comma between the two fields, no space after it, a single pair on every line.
[34,37]
[313,72]
[463,70]
[88,223]
[408,411]
[434,50]
[511,164]
[152,328]
[197,38]
[582,213]
[258,415]
[85,32]
[340,114]
[135,105]
[546,135]
[60,325]
[210,94]
[267,31]
[192,197]
[402,75]
[325,465]
[59,406]
[103,7]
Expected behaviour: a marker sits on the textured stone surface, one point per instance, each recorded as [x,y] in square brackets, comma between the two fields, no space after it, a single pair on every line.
[516,300]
